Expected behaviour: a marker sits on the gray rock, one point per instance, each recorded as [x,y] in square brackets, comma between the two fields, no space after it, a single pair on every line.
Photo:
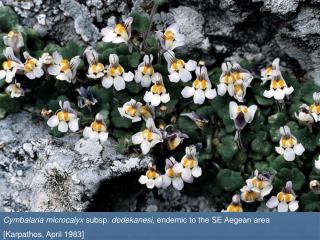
[302,41]
[60,177]
[280,7]
[191,25]
[82,21]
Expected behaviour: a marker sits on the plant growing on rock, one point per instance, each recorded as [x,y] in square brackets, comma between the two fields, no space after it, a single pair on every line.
[172,111]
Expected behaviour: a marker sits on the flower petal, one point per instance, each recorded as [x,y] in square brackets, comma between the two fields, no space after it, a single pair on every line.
[103,136]
[210,93]
[54,70]
[199,96]
[143,179]
[177,183]
[196,171]
[293,205]
[53,121]
[298,149]
[74,125]
[145,147]
[222,89]
[272,202]
[187,92]
[107,82]
[289,154]
[166,181]
[174,77]
[185,75]
[283,207]
[119,83]
[128,76]
[63,126]
[137,138]
[191,65]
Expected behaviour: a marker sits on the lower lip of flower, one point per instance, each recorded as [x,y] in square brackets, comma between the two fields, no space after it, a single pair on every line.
[30,65]
[130,110]
[7,65]
[287,142]
[189,162]
[151,174]
[148,70]
[96,68]
[98,126]
[286,197]
[63,116]
[157,89]
[64,65]
[177,65]
[200,84]
[275,84]
[147,134]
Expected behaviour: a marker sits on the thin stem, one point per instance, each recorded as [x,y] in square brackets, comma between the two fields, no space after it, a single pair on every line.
[153,11]
[239,141]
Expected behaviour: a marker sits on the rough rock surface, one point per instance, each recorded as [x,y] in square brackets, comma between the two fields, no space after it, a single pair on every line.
[39,173]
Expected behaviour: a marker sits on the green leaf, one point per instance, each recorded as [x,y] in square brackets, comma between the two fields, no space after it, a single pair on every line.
[227,148]
[285,174]
[263,101]
[8,19]
[8,104]
[230,180]
[277,120]
[134,59]
[310,202]
[118,121]
[140,21]
[307,139]
[71,50]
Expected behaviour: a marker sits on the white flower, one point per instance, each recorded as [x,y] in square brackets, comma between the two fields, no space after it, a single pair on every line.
[46,59]
[10,66]
[64,69]
[235,80]
[116,75]
[65,118]
[315,107]
[14,90]
[289,147]
[257,187]
[189,165]
[235,205]
[241,114]
[86,98]
[121,32]
[201,87]
[148,138]
[96,68]
[171,38]
[97,130]
[305,115]
[32,67]
[178,69]
[14,40]
[317,164]
[266,73]
[157,93]
[145,71]
[278,87]
[173,137]
[172,175]
[285,200]
[249,195]
[152,178]
[131,110]
[147,111]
